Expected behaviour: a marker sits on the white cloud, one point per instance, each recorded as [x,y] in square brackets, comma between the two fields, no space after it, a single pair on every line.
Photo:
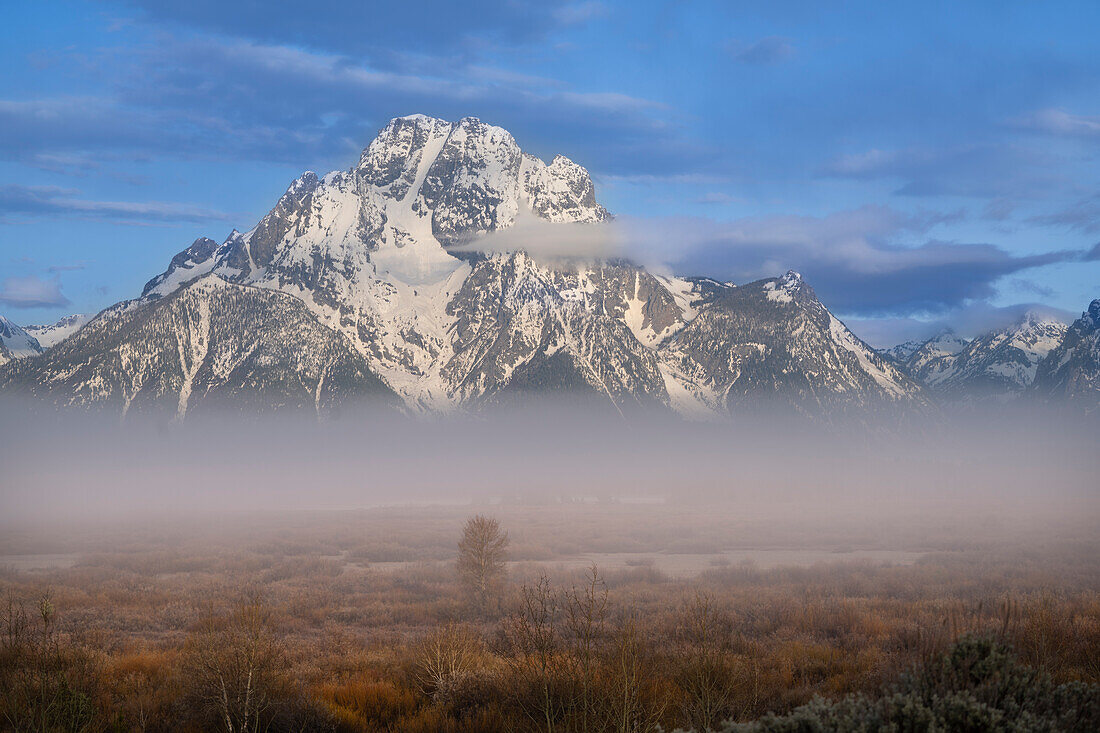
[543,239]
[1060,122]
[51,200]
[32,292]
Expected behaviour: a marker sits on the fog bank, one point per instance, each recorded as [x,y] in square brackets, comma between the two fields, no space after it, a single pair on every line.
[80,465]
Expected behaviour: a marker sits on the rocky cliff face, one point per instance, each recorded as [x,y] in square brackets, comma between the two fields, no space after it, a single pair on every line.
[369,254]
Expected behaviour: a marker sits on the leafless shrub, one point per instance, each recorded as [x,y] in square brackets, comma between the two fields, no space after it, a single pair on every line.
[706,666]
[635,702]
[233,663]
[446,659]
[585,620]
[44,678]
[534,638]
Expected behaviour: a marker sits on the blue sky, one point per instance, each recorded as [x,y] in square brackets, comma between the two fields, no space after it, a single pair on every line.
[921,163]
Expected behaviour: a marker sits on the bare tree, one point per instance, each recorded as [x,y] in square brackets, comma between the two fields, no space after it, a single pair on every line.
[481,555]
[234,665]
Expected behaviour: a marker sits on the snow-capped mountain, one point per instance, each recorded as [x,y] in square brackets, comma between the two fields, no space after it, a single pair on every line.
[1000,364]
[1071,371]
[51,335]
[15,342]
[924,360]
[379,256]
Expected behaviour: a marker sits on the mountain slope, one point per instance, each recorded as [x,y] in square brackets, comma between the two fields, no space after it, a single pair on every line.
[1071,371]
[536,327]
[772,343]
[209,345]
[15,342]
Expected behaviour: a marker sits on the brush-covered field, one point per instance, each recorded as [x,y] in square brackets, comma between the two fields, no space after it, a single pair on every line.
[590,616]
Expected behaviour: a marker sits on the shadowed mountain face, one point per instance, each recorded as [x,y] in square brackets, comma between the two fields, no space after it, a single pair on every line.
[357,270]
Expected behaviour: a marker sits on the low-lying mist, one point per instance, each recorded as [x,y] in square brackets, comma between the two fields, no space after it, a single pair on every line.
[999,465]
[781,559]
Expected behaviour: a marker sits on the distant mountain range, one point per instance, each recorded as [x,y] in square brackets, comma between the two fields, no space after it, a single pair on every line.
[50,335]
[366,285]
[1002,364]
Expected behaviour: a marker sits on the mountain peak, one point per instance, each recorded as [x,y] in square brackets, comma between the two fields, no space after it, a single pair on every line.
[308,180]
[1036,317]
[944,342]
[1071,372]
[946,336]
[783,289]
[791,279]
[416,118]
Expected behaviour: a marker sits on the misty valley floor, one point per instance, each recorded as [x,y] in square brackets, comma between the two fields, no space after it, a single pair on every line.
[823,602]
